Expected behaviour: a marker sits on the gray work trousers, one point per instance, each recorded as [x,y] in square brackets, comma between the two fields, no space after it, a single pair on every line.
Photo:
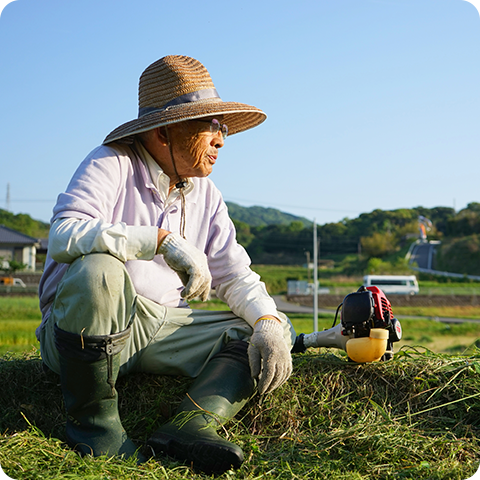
[97,297]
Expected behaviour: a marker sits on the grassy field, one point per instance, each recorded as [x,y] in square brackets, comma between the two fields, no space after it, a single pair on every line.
[20,316]
[415,417]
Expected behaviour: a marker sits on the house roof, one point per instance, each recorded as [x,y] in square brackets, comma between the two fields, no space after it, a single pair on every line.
[12,237]
[43,243]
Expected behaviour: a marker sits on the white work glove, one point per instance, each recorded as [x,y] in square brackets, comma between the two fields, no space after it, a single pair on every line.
[190,264]
[269,356]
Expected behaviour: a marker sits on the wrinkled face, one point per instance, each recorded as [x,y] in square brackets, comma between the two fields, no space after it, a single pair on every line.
[195,147]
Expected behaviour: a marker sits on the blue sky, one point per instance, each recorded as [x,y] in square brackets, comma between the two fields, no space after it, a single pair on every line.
[370,103]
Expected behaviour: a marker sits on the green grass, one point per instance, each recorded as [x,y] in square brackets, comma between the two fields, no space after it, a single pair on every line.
[19,308]
[19,317]
[276,276]
[416,417]
[17,335]
[467,311]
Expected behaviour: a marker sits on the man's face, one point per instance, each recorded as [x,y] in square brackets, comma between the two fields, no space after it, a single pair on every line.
[195,147]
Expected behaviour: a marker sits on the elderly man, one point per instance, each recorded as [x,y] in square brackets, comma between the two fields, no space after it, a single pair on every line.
[140,231]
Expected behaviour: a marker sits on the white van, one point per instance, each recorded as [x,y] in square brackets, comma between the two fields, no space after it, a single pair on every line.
[393,284]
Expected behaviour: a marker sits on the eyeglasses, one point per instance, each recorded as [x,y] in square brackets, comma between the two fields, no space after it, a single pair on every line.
[216,126]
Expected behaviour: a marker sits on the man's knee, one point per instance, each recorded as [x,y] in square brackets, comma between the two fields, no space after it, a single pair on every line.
[95,294]
[93,274]
[96,270]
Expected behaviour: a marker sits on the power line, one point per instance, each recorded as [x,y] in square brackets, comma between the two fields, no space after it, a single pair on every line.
[279,205]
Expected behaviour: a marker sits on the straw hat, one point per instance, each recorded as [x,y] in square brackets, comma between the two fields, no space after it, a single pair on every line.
[178,88]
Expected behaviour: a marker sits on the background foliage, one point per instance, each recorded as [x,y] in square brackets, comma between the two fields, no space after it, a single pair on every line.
[23,223]
[380,234]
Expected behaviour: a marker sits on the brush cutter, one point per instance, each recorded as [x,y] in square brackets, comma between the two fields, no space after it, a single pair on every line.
[367,328]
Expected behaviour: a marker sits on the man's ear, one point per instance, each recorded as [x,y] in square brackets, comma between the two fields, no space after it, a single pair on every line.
[162,135]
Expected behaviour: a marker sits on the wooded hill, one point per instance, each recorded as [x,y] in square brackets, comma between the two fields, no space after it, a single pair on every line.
[260,216]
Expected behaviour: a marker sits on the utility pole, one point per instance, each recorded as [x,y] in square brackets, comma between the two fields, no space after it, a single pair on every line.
[308,265]
[315,277]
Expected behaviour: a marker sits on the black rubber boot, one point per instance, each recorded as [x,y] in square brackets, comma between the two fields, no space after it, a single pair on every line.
[89,367]
[217,395]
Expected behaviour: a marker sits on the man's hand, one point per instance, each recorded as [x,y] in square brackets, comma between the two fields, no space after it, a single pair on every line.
[269,355]
[189,263]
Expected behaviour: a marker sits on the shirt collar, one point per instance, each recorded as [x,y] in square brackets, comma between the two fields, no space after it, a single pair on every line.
[160,180]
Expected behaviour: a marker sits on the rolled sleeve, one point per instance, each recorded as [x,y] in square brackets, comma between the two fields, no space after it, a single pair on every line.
[71,237]
[247,296]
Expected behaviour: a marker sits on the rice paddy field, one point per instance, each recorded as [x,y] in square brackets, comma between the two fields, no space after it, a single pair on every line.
[20,316]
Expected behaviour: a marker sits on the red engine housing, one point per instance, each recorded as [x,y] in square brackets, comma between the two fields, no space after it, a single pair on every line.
[382,307]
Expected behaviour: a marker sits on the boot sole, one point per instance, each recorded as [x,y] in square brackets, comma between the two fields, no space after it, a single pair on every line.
[206,456]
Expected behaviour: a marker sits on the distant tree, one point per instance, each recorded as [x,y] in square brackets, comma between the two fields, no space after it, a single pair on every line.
[244,234]
[338,237]
[474,207]
[378,244]
[410,228]
[25,224]
[381,267]
[296,226]
[466,222]
[333,229]
[11,266]
[377,266]
[460,255]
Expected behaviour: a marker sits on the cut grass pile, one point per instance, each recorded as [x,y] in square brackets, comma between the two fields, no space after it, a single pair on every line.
[415,417]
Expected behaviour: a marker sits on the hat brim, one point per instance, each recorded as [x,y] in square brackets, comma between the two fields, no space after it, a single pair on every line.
[238,117]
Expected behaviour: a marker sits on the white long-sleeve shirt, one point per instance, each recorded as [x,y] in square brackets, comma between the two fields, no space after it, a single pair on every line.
[115,203]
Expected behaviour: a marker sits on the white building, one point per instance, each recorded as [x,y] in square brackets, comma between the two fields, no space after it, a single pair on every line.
[18,247]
